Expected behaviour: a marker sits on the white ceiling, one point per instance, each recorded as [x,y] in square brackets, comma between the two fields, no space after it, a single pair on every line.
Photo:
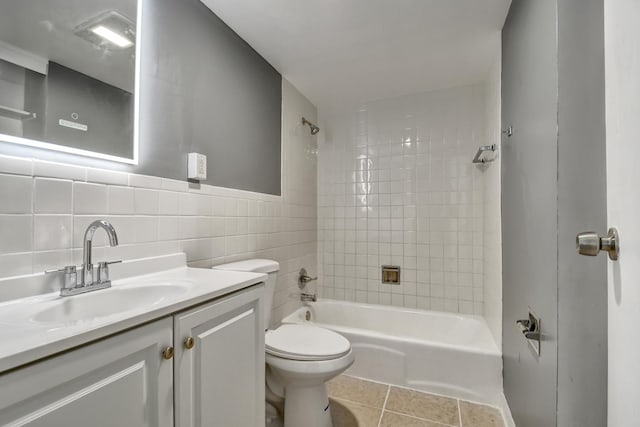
[343,52]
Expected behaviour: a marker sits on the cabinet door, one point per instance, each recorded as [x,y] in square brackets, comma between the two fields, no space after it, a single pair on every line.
[220,380]
[118,381]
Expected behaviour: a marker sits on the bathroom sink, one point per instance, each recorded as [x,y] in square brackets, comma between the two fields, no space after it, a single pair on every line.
[107,302]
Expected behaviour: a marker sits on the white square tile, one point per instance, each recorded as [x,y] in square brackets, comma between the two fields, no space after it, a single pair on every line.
[146,201]
[168,203]
[120,200]
[52,232]
[167,228]
[146,228]
[15,233]
[89,198]
[16,192]
[53,196]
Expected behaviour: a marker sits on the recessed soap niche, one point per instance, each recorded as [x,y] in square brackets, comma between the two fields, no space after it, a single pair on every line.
[390,275]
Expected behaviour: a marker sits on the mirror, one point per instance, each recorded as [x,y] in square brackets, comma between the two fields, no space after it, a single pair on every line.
[68,76]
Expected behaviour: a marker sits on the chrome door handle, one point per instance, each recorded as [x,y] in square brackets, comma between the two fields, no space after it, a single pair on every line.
[590,243]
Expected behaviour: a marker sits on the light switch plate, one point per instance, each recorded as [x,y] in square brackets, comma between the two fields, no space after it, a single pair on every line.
[197,166]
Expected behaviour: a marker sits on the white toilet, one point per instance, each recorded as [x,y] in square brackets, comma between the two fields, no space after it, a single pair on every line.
[300,359]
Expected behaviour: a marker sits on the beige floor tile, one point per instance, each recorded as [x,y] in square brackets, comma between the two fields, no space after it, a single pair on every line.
[350,414]
[356,390]
[474,415]
[391,419]
[423,405]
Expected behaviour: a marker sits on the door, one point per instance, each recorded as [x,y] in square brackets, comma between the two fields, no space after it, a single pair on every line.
[219,364]
[622,71]
[529,208]
[119,381]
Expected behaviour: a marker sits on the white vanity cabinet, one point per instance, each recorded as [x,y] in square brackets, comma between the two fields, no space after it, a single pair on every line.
[118,381]
[152,376]
[219,363]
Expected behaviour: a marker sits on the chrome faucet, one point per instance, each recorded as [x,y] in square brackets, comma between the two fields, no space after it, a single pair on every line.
[78,282]
[87,264]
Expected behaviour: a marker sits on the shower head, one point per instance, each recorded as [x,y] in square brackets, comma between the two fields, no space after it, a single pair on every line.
[314,129]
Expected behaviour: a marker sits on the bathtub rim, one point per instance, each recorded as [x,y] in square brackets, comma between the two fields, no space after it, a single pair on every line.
[293,318]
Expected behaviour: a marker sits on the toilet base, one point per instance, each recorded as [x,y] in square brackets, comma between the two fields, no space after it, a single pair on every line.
[307,406]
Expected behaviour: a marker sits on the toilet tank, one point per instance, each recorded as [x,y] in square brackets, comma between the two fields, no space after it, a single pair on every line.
[267,266]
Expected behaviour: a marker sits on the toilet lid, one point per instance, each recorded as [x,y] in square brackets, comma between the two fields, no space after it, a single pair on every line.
[305,342]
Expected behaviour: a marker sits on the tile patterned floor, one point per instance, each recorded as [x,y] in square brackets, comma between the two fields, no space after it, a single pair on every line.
[360,403]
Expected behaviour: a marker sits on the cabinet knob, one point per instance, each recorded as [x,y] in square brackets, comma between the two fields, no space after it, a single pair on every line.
[189,343]
[167,353]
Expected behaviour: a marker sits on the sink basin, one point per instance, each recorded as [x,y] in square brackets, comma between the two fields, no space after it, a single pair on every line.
[102,303]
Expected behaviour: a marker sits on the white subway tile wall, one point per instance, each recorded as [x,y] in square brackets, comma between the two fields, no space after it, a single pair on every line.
[46,208]
[397,187]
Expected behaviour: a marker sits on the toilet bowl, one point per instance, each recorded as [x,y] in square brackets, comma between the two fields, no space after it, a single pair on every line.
[300,359]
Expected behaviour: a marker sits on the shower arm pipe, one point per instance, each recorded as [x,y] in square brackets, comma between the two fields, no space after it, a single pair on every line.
[307,122]
[314,128]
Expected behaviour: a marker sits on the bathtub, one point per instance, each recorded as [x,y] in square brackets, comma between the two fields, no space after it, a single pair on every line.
[450,354]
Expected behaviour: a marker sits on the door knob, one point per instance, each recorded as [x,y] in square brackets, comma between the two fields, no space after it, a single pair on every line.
[590,243]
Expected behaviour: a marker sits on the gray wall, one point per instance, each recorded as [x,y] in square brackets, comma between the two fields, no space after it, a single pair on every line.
[203,89]
[529,208]
[554,187]
[582,206]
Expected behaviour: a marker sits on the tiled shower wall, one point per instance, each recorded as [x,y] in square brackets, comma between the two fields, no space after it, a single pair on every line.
[397,187]
[46,208]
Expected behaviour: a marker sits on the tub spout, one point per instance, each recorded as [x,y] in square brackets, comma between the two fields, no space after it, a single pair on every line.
[308,297]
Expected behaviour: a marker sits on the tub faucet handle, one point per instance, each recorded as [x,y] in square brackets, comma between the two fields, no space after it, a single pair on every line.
[303,278]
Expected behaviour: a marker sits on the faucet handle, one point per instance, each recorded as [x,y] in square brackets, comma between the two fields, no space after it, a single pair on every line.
[70,275]
[65,269]
[303,279]
[103,271]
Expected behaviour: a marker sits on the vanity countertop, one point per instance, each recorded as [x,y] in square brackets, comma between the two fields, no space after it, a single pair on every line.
[41,325]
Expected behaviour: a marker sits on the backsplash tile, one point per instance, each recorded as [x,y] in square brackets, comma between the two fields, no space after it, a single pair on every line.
[17,194]
[52,232]
[155,216]
[52,196]
[16,233]
[89,198]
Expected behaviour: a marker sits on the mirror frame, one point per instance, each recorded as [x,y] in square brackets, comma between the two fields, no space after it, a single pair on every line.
[136,115]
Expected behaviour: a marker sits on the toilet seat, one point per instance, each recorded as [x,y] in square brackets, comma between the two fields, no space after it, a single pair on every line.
[305,343]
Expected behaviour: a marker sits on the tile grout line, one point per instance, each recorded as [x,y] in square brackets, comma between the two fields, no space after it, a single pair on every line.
[420,419]
[384,405]
[459,412]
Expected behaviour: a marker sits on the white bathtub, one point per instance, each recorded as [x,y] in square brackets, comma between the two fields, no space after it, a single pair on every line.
[444,353]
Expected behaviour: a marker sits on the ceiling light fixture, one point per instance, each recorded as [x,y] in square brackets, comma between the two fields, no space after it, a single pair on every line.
[111,36]
[109,30]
